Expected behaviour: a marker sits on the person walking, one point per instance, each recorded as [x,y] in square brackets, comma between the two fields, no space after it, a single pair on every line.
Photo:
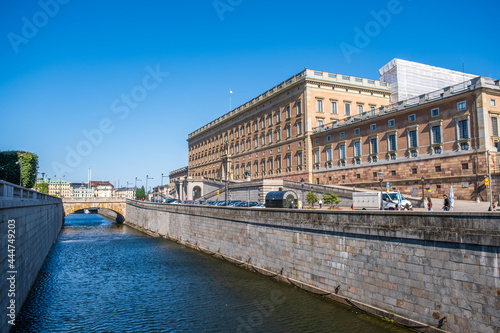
[320,203]
[429,204]
[446,203]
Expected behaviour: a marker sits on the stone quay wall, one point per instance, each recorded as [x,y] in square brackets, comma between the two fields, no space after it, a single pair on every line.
[435,271]
[29,224]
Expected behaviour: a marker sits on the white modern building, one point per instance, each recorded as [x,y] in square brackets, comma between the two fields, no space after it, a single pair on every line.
[409,79]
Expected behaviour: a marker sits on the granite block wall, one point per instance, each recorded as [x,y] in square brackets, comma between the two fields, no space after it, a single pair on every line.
[30,227]
[439,271]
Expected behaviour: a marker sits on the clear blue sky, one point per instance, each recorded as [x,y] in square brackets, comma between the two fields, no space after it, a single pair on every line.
[68,69]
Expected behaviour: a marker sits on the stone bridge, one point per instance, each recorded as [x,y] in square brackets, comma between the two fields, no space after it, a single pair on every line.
[118,205]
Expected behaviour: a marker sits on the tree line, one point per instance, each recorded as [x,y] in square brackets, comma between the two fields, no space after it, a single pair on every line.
[19,168]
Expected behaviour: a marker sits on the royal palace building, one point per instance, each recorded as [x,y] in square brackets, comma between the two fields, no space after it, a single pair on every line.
[428,143]
[270,136]
[333,129]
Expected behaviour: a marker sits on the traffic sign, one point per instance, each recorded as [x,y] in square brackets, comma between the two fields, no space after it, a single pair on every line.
[388,186]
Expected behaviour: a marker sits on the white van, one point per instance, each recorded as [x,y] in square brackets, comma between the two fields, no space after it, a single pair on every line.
[393,197]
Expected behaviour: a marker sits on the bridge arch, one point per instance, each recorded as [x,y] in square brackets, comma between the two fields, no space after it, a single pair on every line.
[117,205]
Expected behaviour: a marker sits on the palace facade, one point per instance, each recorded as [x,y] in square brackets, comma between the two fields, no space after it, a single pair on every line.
[269,136]
[327,128]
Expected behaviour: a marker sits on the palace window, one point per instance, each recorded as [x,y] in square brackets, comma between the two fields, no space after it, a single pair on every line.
[374,145]
[347,109]
[412,138]
[463,129]
[360,109]
[436,134]
[342,151]
[333,107]
[461,106]
[494,126]
[317,156]
[357,148]
[319,105]
[392,141]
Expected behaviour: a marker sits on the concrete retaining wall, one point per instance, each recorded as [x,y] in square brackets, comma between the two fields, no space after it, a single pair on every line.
[439,271]
[35,221]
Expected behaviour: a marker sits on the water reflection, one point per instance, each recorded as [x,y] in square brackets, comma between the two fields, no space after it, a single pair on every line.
[107,277]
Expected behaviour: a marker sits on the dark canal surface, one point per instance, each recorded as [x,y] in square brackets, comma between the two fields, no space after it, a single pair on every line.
[107,277]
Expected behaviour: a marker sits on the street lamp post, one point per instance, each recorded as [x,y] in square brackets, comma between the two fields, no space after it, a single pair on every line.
[302,183]
[21,169]
[135,186]
[147,177]
[381,179]
[162,176]
[423,194]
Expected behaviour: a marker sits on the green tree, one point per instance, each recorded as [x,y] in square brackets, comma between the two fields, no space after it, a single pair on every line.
[140,193]
[311,198]
[42,187]
[12,166]
[331,199]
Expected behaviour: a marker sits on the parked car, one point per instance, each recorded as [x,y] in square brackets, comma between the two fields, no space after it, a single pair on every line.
[247,204]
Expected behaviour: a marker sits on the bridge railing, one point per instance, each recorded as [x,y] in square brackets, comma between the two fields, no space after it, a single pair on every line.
[95,199]
[9,191]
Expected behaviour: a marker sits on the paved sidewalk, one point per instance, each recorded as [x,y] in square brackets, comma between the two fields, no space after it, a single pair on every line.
[437,203]
[460,206]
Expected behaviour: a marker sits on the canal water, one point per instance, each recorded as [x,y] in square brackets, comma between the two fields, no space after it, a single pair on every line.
[106,277]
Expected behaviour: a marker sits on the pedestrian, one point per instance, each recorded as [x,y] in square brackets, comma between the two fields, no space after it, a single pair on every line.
[429,204]
[320,203]
[446,203]
[495,206]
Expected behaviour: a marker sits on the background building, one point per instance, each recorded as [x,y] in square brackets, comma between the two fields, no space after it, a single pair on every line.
[59,188]
[103,189]
[409,79]
[125,192]
[82,190]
